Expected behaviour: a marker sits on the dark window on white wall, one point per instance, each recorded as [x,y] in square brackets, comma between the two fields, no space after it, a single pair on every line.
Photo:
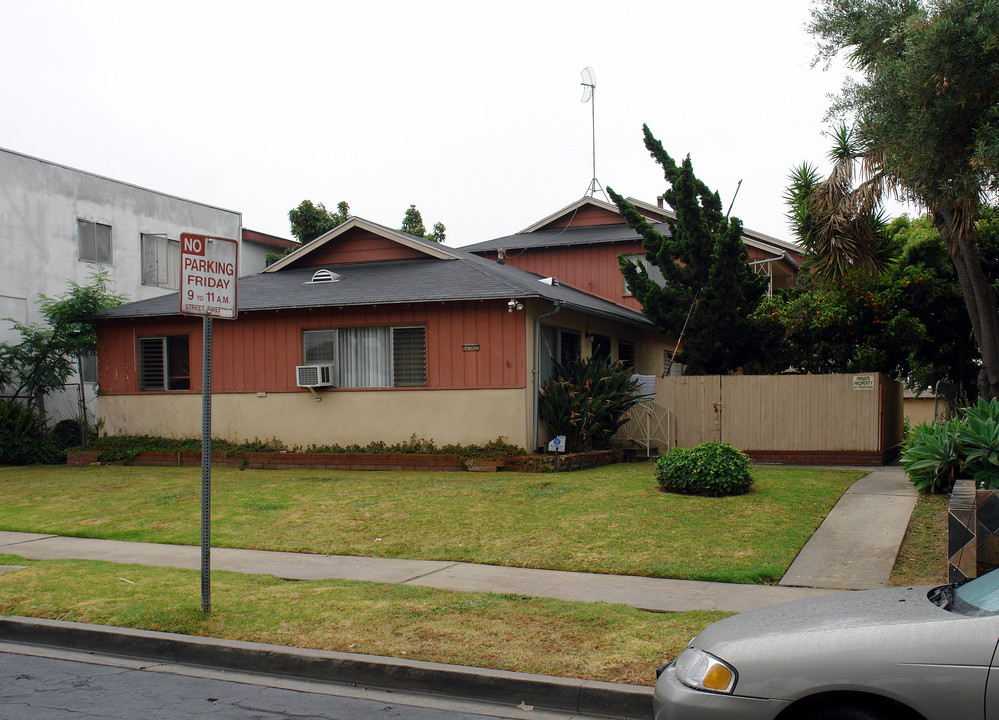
[93,241]
[160,261]
[164,363]
[88,369]
[369,357]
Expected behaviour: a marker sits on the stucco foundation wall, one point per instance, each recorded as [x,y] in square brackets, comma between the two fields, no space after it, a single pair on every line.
[341,417]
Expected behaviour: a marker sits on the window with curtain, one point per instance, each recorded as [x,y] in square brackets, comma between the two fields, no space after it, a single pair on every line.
[160,261]
[370,357]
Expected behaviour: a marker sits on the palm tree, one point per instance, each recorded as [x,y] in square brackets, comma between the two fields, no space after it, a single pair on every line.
[838,221]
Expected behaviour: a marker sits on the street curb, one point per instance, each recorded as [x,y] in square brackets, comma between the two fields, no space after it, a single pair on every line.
[541,691]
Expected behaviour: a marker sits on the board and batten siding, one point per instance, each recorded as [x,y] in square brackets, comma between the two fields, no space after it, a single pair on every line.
[591,268]
[258,352]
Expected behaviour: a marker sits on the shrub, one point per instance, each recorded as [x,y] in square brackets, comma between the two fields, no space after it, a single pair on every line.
[712,469]
[930,456]
[113,448]
[23,439]
[935,453]
[586,401]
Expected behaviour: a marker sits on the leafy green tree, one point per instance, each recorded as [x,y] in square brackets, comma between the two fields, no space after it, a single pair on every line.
[926,121]
[309,221]
[907,320]
[709,286]
[412,223]
[46,355]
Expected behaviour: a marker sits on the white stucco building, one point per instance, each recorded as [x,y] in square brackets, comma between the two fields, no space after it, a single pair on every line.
[57,224]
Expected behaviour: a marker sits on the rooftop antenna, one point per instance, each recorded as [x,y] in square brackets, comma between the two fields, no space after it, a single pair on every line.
[589,88]
[733,199]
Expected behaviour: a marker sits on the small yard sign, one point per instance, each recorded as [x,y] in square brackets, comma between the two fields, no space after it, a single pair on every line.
[557,444]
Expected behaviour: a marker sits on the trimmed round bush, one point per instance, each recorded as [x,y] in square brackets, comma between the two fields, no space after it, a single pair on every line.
[711,469]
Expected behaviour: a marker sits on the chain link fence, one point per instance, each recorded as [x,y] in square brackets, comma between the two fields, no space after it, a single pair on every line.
[66,403]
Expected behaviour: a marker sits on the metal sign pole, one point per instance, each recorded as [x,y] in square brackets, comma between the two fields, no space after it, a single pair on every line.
[209,269]
[206,466]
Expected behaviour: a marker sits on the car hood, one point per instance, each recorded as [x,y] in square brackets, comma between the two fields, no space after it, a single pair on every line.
[846,640]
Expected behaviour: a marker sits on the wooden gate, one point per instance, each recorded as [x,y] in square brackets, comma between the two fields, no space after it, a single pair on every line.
[849,419]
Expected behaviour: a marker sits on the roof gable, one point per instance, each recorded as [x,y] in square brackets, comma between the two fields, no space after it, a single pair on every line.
[361,241]
[586,212]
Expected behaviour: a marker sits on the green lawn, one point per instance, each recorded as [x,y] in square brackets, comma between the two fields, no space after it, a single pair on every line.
[607,520]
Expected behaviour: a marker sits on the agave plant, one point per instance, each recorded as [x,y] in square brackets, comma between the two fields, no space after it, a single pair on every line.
[969,443]
[930,457]
[978,442]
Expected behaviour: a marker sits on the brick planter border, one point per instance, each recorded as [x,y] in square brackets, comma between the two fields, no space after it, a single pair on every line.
[333,461]
[823,457]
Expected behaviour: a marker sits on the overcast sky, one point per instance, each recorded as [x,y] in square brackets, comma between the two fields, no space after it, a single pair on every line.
[471,111]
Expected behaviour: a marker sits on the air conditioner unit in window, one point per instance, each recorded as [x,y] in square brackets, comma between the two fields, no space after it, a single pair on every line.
[313,376]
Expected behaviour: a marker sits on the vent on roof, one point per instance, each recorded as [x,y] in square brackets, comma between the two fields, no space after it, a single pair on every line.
[324,276]
[550,281]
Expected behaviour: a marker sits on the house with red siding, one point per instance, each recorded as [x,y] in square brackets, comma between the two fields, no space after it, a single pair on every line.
[580,245]
[368,333]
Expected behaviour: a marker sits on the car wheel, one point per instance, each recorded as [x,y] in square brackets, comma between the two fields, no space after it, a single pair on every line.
[842,712]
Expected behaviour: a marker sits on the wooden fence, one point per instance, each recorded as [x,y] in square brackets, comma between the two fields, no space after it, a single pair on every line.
[808,419]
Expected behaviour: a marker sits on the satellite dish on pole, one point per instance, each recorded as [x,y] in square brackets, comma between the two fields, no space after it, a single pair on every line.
[589,89]
[589,83]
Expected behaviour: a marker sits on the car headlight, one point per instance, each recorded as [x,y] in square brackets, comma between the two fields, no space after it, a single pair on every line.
[703,671]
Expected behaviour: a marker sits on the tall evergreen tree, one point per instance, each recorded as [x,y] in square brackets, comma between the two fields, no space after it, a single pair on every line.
[705,267]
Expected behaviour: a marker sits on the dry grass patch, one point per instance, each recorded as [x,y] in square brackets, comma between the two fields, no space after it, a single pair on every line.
[613,643]
[922,559]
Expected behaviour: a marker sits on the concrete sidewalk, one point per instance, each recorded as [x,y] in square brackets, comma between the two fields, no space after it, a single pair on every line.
[856,545]
[854,548]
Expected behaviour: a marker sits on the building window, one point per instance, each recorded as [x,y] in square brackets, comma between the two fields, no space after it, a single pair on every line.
[569,347]
[164,363]
[370,357]
[160,261]
[557,346]
[600,346]
[626,353]
[94,241]
[88,369]
[653,270]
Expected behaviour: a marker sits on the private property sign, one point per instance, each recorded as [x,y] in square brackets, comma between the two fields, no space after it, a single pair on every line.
[208,276]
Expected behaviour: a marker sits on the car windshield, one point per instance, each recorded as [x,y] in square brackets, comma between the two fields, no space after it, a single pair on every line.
[982,593]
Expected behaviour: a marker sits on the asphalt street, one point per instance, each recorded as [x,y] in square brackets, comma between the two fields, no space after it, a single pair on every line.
[43,683]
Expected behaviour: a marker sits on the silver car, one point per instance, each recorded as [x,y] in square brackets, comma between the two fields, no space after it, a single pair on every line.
[896,654]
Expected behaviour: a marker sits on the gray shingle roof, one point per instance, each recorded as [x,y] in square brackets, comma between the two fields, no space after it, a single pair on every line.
[564,236]
[466,277]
